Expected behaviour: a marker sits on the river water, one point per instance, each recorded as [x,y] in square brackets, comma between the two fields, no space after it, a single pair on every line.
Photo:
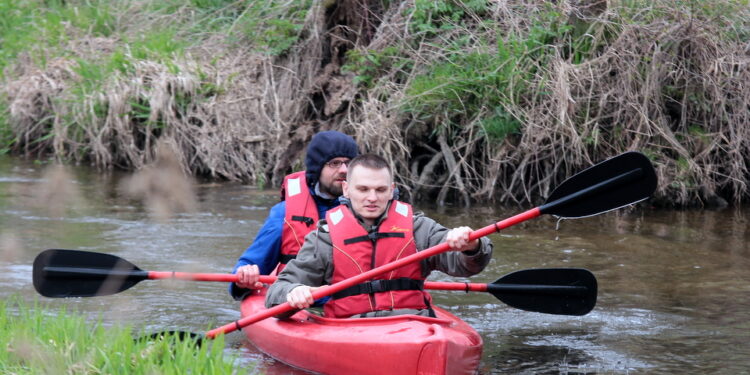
[674,286]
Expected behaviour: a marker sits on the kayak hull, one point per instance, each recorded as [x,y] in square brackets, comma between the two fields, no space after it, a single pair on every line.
[405,344]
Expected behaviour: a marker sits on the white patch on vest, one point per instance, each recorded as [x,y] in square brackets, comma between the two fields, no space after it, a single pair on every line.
[402,209]
[336,216]
[292,187]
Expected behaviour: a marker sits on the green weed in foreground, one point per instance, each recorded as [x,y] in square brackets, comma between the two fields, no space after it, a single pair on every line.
[35,340]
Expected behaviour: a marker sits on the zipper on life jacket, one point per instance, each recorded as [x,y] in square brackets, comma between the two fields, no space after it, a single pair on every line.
[373,302]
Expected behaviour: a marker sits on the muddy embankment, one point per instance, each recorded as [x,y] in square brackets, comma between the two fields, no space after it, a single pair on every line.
[472,101]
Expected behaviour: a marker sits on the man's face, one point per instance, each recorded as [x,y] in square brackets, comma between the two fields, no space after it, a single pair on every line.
[369,191]
[332,176]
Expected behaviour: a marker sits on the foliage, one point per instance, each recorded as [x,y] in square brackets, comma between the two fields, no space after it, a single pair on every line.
[41,27]
[431,17]
[369,65]
[470,83]
[272,26]
[36,340]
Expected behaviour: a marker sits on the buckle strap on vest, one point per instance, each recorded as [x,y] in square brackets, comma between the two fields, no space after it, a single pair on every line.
[378,286]
[374,236]
[307,220]
[286,258]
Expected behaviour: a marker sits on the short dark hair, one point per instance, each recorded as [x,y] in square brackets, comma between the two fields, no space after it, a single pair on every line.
[371,161]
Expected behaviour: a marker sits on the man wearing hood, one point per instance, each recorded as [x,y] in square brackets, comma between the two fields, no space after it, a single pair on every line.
[306,197]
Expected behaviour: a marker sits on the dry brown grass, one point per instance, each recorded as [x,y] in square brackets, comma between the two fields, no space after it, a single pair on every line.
[621,99]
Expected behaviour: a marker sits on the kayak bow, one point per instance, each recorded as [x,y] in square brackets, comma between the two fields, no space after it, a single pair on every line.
[395,345]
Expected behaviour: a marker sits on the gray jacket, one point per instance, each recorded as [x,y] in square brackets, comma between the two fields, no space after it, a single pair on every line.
[313,265]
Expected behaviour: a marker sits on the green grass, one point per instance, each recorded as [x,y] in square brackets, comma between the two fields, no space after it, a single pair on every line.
[484,83]
[369,65]
[40,28]
[474,78]
[271,26]
[431,17]
[36,32]
[39,341]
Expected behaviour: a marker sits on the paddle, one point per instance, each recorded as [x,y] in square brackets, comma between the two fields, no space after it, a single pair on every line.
[620,181]
[561,291]
[72,273]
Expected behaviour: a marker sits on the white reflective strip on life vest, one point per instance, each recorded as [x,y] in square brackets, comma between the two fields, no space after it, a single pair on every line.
[292,187]
[402,209]
[336,216]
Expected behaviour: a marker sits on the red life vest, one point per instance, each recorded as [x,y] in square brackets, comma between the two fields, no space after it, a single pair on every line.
[355,251]
[301,216]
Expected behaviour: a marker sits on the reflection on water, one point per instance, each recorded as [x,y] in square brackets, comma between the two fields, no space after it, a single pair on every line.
[673,285]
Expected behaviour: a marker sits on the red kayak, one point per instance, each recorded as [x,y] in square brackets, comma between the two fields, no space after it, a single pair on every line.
[405,344]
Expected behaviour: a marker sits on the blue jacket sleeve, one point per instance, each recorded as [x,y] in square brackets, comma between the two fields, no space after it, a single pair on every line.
[265,249]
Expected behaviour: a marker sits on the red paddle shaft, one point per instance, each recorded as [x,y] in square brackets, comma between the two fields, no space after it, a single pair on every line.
[341,285]
[227,277]
[468,287]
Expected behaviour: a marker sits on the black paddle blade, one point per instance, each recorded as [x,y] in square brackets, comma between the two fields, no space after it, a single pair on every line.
[617,182]
[560,291]
[71,273]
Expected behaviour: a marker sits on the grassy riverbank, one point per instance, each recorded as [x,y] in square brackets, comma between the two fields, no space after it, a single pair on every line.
[39,341]
[472,100]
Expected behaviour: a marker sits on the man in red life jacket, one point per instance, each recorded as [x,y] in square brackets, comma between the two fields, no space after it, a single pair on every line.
[370,230]
[306,196]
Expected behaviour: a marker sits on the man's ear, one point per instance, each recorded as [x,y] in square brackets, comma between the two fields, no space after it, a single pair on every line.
[344,189]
